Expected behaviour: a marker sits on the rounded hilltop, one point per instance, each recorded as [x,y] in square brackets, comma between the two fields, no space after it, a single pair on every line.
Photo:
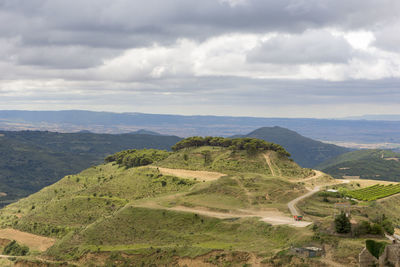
[211,194]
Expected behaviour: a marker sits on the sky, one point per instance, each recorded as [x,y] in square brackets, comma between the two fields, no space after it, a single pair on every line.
[266,58]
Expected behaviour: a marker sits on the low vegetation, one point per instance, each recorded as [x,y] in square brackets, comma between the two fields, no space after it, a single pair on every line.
[135,158]
[15,249]
[376,164]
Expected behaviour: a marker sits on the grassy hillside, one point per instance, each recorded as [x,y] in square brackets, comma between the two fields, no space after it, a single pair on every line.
[31,160]
[116,213]
[306,152]
[367,164]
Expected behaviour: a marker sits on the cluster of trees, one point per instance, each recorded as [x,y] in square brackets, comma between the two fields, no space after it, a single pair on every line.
[378,227]
[134,158]
[252,145]
[15,249]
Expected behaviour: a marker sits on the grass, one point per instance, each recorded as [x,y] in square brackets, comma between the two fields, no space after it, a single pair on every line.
[78,200]
[231,162]
[113,210]
[161,229]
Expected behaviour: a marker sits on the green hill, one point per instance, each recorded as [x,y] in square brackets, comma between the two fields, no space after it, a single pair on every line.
[367,164]
[305,151]
[31,160]
[119,214]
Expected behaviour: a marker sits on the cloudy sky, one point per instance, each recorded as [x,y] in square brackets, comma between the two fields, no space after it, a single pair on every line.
[269,58]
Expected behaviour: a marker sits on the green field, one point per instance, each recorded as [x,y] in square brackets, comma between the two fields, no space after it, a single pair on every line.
[374,192]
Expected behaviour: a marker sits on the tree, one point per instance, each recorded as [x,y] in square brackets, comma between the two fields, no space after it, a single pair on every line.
[342,224]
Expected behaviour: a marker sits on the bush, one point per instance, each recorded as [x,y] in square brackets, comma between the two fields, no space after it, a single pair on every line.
[15,249]
[377,229]
[342,224]
[134,158]
[388,226]
[364,228]
[375,248]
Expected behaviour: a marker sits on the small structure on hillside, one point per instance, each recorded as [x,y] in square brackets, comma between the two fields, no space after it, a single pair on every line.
[308,252]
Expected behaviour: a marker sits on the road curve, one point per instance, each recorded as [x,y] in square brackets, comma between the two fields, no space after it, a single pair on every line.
[292,204]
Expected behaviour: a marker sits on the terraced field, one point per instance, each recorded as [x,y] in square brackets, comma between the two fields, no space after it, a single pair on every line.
[375,192]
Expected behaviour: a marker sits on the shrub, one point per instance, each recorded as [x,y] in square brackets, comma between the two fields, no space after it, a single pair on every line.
[377,229]
[134,158]
[375,248]
[364,228]
[388,226]
[15,249]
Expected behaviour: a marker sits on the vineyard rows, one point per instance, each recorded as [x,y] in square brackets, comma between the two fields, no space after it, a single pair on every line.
[374,192]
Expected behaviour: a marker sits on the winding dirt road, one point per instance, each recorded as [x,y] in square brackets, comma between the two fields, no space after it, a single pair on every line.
[292,204]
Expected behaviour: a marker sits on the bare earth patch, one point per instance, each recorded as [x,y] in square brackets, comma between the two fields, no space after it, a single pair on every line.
[200,175]
[366,182]
[34,242]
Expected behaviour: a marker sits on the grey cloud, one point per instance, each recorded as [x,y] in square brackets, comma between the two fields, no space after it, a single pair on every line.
[66,57]
[309,48]
[144,22]
[388,38]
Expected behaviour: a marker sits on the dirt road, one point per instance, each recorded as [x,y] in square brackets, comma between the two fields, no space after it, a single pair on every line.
[200,175]
[268,160]
[292,204]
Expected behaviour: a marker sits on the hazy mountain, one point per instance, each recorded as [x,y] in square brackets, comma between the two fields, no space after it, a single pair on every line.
[305,151]
[383,117]
[358,131]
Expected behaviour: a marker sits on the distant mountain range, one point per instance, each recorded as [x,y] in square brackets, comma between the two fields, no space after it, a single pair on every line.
[387,117]
[356,131]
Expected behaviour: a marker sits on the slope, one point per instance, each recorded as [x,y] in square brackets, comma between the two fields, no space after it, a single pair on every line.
[374,164]
[30,160]
[305,151]
[137,215]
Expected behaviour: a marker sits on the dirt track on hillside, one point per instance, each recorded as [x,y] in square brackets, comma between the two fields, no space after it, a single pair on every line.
[200,175]
[34,242]
[269,163]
